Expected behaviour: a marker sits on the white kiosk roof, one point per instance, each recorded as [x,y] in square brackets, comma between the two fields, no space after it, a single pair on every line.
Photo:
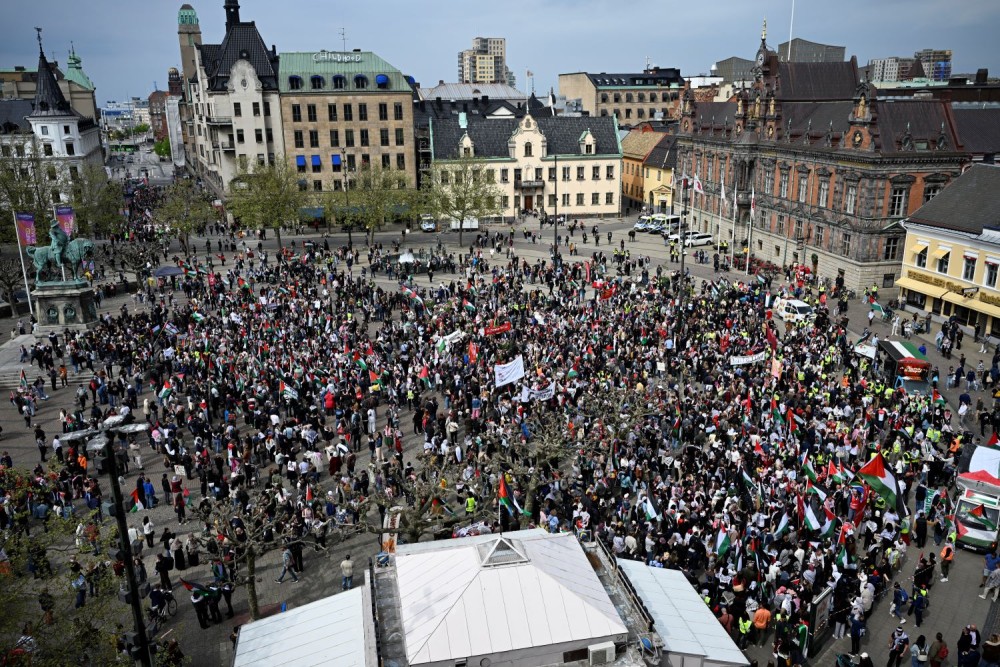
[491,594]
[330,631]
[684,622]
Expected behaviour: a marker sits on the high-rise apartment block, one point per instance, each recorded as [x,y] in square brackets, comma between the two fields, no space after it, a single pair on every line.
[936,63]
[485,62]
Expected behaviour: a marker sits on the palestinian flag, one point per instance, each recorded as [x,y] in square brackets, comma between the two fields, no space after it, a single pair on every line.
[468,305]
[846,474]
[195,586]
[172,329]
[166,390]
[812,521]
[980,513]
[832,474]
[362,364]
[782,525]
[831,523]
[373,381]
[425,375]
[994,438]
[507,499]
[287,390]
[24,380]
[794,420]
[846,530]
[929,500]
[936,397]
[775,412]
[197,317]
[879,476]
[817,489]
[650,509]
[722,542]
[842,558]
[752,487]
[807,468]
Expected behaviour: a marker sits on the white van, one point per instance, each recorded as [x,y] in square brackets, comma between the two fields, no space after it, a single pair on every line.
[792,310]
[978,514]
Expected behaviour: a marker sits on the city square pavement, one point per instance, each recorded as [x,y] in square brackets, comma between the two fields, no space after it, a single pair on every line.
[953,604]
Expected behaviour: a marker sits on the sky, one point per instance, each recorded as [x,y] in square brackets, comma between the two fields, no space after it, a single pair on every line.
[127,46]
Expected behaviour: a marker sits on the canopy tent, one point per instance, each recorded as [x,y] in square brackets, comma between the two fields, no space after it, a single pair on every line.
[691,634]
[167,271]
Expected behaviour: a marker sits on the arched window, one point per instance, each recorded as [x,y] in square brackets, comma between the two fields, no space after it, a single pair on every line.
[628,97]
[316,82]
[527,149]
[295,82]
[338,82]
[381,81]
[652,97]
[604,98]
[361,81]
[641,97]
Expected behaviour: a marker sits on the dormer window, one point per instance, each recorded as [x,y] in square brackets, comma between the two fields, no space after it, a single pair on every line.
[295,82]
[360,81]
[338,82]
[382,81]
[316,82]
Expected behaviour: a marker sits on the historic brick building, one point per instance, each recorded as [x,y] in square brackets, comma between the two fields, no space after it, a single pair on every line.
[831,169]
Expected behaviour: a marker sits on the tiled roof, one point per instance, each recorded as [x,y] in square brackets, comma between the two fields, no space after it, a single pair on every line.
[924,120]
[664,77]
[978,129]
[49,99]
[636,145]
[969,204]
[664,153]
[817,116]
[328,64]
[468,91]
[817,82]
[12,116]
[242,42]
[490,135]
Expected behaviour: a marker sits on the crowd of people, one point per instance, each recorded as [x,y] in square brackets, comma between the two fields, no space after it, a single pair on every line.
[672,419]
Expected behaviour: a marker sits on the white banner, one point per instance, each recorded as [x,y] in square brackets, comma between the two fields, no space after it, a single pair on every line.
[748,359]
[509,372]
[529,394]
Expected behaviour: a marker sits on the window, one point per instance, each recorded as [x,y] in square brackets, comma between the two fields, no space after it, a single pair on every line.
[897,202]
[824,193]
[783,185]
[851,199]
[295,82]
[260,158]
[364,137]
[891,250]
[579,173]
[383,136]
[768,182]
[399,136]
[360,81]
[969,269]
[317,165]
[930,192]
[595,199]
[362,111]
[610,175]
[237,109]
[318,185]
[397,111]
[538,173]
[296,113]
[565,173]
[552,173]
[888,280]
[338,82]
[383,111]
[311,112]
[920,258]
[552,201]
[258,136]
[527,149]
[609,198]
[66,129]
[845,245]
[628,97]
[334,138]
[628,113]
[401,161]
[444,177]
[350,164]
[565,199]
[595,173]
[316,82]
[303,186]
[313,138]
[780,226]
[505,175]
[386,161]
[299,141]
[942,263]
[268,135]
[579,199]
[803,188]
[708,172]
[348,112]
[331,112]
[70,148]
[617,98]
[798,229]
[819,237]
[990,275]
[267,108]
[349,138]
[256,108]
[504,201]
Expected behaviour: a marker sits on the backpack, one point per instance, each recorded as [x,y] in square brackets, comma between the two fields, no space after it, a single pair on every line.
[942,652]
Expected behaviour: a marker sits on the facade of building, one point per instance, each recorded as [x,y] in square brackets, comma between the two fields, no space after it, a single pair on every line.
[936,63]
[658,174]
[831,169]
[21,83]
[890,69]
[189,40]
[485,62]
[235,103]
[951,258]
[157,104]
[463,92]
[733,69]
[636,148]
[804,51]
[341,112]
[630,98]
[557,165]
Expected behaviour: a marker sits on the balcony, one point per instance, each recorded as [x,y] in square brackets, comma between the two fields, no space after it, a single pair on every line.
[528,185]
[219,120]
[227,146]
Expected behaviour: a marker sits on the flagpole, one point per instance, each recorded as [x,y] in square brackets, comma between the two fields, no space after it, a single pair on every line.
[732,232]
[750,235]
[24,271]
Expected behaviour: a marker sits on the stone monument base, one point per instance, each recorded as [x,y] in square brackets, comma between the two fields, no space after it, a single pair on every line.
[64,305]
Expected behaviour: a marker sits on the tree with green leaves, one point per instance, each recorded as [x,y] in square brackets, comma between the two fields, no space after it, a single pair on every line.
[162,147]
[462,189]
[184,210]
[28,184]
[97,201]
[266,196]
[375,196]
[141,128]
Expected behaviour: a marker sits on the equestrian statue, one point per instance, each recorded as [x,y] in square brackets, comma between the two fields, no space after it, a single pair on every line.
[60,253]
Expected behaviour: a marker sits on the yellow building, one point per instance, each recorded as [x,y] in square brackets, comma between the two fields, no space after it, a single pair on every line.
[951,254]
[648,159]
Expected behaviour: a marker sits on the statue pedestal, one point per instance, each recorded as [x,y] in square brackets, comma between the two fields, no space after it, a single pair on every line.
[64,305]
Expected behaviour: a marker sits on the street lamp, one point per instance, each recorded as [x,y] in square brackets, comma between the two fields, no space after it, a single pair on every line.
[100,444]
[347,199]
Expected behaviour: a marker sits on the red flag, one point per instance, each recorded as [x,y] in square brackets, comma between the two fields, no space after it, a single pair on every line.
[473,352]
[772,340]
[607,294]
[309,493]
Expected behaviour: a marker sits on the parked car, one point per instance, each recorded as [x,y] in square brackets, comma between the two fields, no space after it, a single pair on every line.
[428,223]
[697,239]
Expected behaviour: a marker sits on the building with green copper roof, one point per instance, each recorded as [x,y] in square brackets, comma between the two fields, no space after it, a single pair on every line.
[318,71]
[74,71]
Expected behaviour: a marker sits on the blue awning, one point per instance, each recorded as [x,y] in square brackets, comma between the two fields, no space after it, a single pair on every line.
[381,79]
[335,159]
[316,161]
[300,160]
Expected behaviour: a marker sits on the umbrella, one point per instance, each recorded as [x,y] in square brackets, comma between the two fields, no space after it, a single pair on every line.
[167,271]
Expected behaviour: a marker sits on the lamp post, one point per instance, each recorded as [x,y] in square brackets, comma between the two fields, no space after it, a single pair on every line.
[100,443]
[685,197]
[555,219]
[347,200]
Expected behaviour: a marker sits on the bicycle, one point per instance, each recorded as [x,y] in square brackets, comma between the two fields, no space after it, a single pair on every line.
[158,617]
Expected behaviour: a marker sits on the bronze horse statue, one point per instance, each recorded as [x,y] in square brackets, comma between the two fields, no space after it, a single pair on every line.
[73,255]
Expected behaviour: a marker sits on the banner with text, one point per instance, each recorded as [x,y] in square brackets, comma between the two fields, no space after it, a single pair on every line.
[498,329]
[25,223]
[509,372]
[747,359]
[66,218]
[529,394]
